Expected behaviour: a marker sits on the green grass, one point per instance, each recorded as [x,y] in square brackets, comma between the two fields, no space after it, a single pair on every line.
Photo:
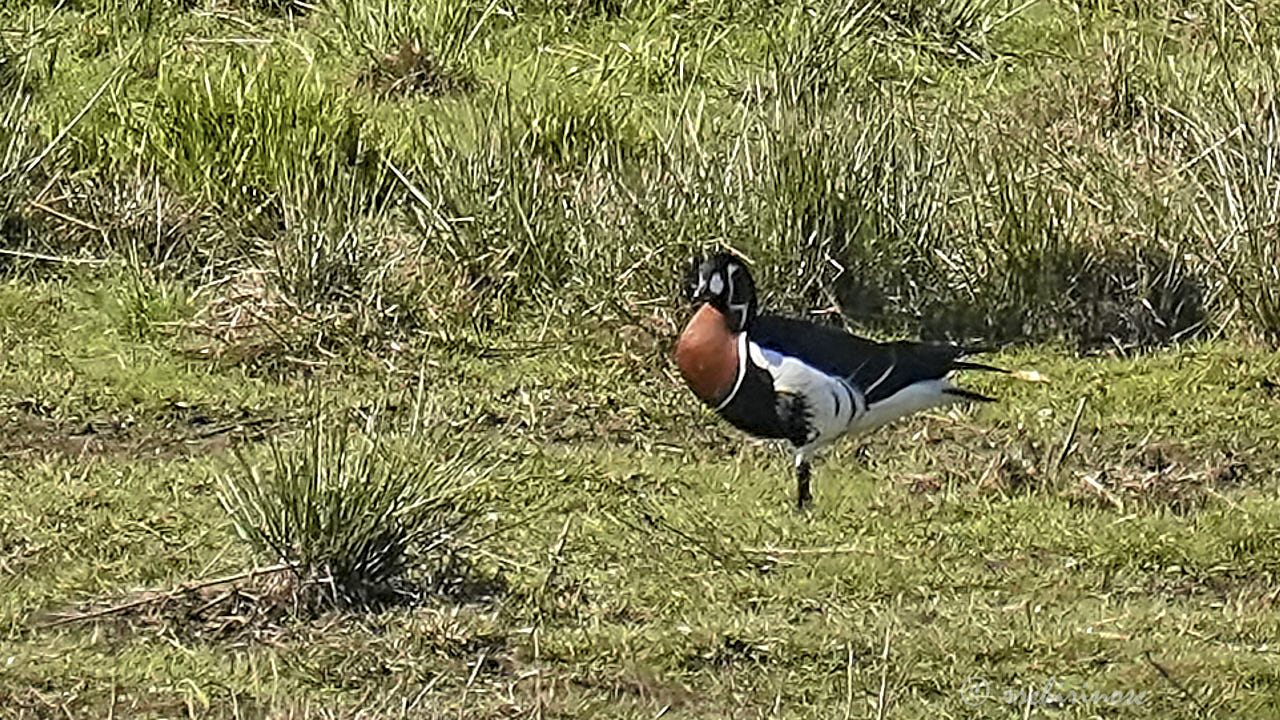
[644,558]
[465,225]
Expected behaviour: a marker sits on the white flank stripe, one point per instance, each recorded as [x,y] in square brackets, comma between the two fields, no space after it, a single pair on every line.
[910,399]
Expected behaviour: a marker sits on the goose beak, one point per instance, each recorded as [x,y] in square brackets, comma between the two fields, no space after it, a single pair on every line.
[699,294]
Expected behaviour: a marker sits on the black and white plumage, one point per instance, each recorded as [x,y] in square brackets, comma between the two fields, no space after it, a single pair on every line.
[775,377]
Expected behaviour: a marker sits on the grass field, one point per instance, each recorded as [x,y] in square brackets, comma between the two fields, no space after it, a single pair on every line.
[387,290]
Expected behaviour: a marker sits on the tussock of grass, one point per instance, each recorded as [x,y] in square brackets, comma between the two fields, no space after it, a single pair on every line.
[412,69]
[352,516]
[414,47]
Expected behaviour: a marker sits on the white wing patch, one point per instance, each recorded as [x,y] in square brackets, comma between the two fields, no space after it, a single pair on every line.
[831,403]
[836,407]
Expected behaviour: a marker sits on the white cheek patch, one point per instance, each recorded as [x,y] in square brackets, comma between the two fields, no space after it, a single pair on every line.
[717,284]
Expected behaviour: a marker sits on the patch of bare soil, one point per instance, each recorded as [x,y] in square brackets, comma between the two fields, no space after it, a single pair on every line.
[249,605]
[258,605]
[1168,474]
[30,430]
[1165,474]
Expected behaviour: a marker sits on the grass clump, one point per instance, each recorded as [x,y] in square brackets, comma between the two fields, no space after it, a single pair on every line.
[411,48]
[353,513]
[412,69]
[958,27]
[1236,173]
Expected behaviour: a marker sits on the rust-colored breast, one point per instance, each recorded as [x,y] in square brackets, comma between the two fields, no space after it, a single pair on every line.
[707,354]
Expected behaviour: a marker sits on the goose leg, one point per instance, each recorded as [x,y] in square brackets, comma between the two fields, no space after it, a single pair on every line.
[803,497]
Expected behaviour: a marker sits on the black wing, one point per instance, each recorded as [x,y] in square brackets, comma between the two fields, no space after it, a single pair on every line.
[878,370]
